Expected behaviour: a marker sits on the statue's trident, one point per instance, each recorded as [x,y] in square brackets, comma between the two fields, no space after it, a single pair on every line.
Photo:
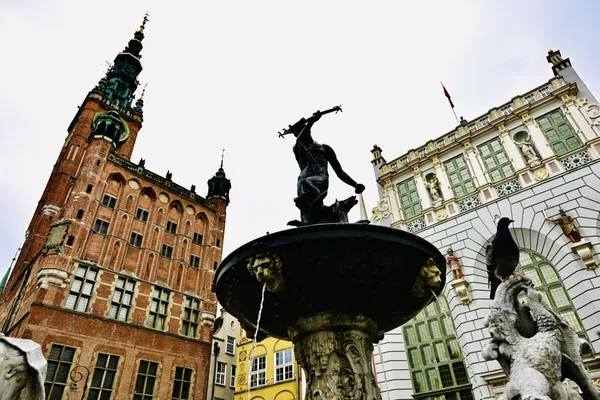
[300,124]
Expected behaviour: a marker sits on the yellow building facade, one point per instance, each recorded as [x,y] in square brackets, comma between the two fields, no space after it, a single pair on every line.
[269,368]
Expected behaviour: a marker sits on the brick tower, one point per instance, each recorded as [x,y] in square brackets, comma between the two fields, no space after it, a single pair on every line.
[114,278]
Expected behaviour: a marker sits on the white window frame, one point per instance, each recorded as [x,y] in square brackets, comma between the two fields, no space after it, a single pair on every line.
[221,376]
[283,365]
[82,288]
[259,372]
[232,376]
[232,352]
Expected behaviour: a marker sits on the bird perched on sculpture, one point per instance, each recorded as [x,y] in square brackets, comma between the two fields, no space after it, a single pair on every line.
[502,256]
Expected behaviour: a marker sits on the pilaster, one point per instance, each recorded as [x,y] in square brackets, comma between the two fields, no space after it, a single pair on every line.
[474,162]
[513,152]
[538,138]
[392,193]
[576,119]
[421,189]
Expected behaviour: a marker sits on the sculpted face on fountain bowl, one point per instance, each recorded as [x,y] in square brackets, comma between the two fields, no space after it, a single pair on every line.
[266,268]
[429,279]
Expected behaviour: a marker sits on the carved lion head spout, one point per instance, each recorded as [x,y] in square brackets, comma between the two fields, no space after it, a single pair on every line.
[429,279]
[266,268]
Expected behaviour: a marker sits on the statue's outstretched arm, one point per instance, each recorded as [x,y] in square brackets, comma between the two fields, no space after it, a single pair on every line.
[337,168]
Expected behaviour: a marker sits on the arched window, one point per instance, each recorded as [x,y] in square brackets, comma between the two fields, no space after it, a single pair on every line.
[434,355]
[546,280]
[148,272]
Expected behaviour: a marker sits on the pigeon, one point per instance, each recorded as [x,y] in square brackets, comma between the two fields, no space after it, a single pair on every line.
[502,256]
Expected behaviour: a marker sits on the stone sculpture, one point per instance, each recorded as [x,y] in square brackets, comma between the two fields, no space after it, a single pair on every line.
[536,347]
[22,369]
[568,226]
[313,181]
[433,186]
[454,264]
[266,268]
[428,279]
[531,157]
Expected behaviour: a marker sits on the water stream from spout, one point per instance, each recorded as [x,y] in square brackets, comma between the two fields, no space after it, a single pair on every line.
[434,295]
[262,301]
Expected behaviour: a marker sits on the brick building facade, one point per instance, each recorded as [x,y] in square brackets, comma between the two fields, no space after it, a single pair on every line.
[526,159]
[114,278]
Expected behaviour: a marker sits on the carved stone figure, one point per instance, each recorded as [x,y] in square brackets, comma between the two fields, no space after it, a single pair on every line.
[454,264]
[531,157]
[568,226]
[535,346]
[313,181]
[335,351]
[428,279]
[266,268]
[433,186]
[22,369]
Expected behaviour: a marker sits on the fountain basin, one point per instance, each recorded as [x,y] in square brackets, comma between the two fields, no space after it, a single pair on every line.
[344,269]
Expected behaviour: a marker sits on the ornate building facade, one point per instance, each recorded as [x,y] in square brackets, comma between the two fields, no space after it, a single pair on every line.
[535,159]
[223,365]
[114,278]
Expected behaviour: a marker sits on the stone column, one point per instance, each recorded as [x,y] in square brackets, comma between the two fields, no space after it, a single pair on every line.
[576,119]
[392,193]
[335,351]
[440,172]
[473,161]
[537,136]
[513,152]
[421,189]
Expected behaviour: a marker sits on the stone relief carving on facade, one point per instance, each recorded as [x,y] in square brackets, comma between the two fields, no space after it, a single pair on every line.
[432,183]
[535,346]
[382,211]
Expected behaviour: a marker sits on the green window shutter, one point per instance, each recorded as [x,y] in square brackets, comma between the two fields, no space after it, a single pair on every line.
[496,161]
[559,132]
[434,355]
[409,197]
[459,176]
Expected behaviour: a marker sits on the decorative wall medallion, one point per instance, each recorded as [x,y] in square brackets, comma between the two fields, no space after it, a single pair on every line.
[135,185]
[593,111]
[441,215]
[189,210]
[382,210]
[163,198]
[576,160]
[540,174]
[415,225]
[508,188]
[469,203]
[243,355]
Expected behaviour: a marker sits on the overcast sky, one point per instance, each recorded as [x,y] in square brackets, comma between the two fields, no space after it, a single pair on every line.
[232,74]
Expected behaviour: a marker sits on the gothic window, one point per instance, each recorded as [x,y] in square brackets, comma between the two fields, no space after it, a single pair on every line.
[434,355]
[409,198]
[159,216]
[171,227]
[194,261]
[159,306]
[191,311]
[182,383]
[60,360]
[103,379]
[146,379]
[129,204]
[187,227]
[459,176]
[155,238]
[496,161]
[179,276]
[166,251]
[546,280]
[122,299]
[82,288]
[559,132]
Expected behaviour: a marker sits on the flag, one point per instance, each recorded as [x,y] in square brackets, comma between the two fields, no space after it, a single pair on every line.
[448,96]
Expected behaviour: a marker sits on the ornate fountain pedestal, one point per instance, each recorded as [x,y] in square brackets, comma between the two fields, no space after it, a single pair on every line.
[334,290]
[336,352]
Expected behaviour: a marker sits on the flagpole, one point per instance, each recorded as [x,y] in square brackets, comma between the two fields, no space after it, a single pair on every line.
[449,100]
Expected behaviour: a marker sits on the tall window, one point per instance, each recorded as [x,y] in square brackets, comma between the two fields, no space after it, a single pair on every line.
[159,305]
[258,372]
[109,201]
[232,376]
[191,310]
[101,226]
[197,238]
[459,176]
[121,300]
[171,227]
[57,373]
[284,367]
[230,348]
[166,251]
[103,379]
[141,214]
[82,288]
[409,197]
[145,381]
[496,162]
[221,373]
[559,132]
[182,383]
[434,355]
[546,280]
